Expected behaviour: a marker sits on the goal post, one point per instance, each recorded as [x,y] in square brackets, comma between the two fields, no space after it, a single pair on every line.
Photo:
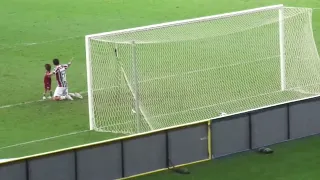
[157,76]
[89,83]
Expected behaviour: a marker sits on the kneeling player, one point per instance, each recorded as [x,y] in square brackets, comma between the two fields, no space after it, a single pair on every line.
[47,82]
[61,91]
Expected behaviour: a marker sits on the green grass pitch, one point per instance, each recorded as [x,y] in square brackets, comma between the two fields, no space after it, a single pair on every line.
[34,32]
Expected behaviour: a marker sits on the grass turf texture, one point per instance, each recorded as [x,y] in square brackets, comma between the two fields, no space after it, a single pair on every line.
[33,32]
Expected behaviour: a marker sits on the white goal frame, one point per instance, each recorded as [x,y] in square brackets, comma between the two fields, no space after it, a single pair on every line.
[279,7]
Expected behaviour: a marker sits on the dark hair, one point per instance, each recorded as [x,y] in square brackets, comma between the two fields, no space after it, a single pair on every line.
[56,62]
[48,67]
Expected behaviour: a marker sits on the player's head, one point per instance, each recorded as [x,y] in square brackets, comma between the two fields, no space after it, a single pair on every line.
[48,67]
[56,62]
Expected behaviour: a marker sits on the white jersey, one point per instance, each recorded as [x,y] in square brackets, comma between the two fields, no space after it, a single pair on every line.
[61,75]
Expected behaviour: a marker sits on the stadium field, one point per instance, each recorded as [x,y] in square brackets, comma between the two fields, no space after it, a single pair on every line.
[34,32]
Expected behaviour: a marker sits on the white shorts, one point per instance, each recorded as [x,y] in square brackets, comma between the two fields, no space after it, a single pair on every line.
[60,91]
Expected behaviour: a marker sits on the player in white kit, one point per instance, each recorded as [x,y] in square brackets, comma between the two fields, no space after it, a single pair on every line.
[61,92]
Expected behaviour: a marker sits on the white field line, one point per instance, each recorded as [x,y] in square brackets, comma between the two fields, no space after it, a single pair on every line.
[152,79]
[38,140]
[28,102]
[306,92]
[36,43]
[235,100]
[78,132]
[44,139]
[31,44]
[208,69]
[19,104]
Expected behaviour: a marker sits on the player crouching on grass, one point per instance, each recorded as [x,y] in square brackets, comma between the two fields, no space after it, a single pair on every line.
[47,82]
[61,92]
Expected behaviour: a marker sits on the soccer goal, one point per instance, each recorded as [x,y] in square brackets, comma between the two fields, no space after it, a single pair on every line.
[163,75]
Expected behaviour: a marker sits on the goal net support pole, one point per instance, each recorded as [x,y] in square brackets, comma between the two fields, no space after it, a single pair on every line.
[282,49]
[136,86]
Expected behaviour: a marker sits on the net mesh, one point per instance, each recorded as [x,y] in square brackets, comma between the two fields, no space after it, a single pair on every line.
[156,78]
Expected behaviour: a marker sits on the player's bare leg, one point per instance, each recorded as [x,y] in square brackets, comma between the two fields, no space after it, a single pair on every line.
[50,94]
[57,98]
[45,93]
[61,98]
[69,97]
[44,96]
[76,95]
[61,93]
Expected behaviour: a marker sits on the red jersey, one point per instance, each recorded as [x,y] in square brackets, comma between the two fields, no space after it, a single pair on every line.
[47,80]
[61,75]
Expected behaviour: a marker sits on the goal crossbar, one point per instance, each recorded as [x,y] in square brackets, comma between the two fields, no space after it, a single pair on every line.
[187,21]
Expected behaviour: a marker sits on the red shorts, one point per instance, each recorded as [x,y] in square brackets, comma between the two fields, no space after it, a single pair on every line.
[47,83]
[47,86]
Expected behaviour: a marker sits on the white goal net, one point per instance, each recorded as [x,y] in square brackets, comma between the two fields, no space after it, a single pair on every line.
[159,76]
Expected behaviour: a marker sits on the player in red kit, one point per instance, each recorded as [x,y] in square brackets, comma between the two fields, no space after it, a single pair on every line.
[47,82]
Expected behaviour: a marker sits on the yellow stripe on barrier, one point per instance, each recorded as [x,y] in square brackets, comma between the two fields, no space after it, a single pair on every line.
[104,141]
[181,165]
[155,131]
[163,169]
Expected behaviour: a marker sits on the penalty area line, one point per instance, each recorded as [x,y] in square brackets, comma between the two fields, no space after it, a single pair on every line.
[19,104]
[44,139]
[8,46]
[28,102]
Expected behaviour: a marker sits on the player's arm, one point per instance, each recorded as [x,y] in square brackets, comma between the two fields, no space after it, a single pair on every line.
[69,63]
[53,72]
